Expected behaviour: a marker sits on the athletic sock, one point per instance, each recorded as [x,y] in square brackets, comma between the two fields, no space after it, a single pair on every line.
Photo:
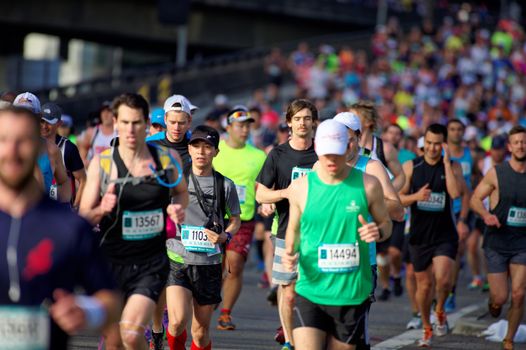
[226,311]
[195,347]
[176,342]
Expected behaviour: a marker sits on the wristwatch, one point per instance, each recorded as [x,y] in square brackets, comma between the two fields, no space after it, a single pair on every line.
[228,237]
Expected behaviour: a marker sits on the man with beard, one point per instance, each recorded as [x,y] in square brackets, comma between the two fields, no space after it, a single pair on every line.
[50,251]
[505,239]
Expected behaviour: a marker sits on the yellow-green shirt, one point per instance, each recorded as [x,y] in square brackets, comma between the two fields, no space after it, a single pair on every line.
[241,165]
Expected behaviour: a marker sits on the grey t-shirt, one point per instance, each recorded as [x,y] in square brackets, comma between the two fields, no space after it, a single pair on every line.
[196,217]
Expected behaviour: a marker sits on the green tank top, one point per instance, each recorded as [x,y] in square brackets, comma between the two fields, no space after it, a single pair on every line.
[334,266]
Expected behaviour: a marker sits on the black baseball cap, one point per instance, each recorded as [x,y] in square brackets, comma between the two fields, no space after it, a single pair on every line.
[205,133]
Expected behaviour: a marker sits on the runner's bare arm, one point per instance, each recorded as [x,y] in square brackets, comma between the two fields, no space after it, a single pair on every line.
[234,223]
[391,156]
[407,198]
[37,173]
[265,195]
[292,235]
[392,201]
[454,179]
[59,173]
[84,144]
[377,208]
[90,201]
[80,176]
[180,192]
[485,188]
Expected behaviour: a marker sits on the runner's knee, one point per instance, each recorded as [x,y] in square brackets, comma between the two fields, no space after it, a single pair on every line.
[176,326]
[517,297]
[199,332]
[132,334]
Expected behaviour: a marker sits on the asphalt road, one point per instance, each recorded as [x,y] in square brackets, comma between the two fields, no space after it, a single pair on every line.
[256,322]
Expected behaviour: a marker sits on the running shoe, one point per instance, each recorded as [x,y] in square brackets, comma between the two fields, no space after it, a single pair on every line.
[494,309]
[415,322]
[441,326]
[287,346]
[507,344]
[425,342]
[384,296]
[224,323]
[450,304]
[157,341]
[476,283]
[280,336]
[263,282]
[272,296]
[397,286]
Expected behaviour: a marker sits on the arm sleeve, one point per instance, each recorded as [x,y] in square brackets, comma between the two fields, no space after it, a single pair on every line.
[267,174]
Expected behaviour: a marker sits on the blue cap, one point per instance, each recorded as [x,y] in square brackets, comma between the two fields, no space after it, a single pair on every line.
[499,142]
[157,117]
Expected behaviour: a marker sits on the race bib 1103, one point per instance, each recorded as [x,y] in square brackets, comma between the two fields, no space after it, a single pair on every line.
[298,172]
[195,239]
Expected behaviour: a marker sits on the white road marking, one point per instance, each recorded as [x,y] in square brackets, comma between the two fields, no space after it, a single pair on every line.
[411,336]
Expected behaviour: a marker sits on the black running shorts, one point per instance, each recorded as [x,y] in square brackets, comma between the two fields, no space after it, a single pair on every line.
[346,323]
[148,279]
[397,237]
[422,255]
[204,281]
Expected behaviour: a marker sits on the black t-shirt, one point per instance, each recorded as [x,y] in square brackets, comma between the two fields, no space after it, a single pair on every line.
[432,221]
[284,164]
[70,154]
[181,148]
[55,249]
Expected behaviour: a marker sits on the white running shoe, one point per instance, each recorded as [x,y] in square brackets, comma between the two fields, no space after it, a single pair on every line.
[414,323]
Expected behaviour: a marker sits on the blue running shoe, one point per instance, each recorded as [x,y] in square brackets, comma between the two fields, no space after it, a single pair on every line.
[450,304]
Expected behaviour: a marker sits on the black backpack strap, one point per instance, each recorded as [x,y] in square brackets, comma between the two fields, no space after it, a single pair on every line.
[220,193]
[380,151]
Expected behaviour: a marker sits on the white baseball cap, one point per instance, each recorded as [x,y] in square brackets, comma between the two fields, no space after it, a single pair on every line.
[29,101]
[179,103]
[331,138]
[420,143]
[350,120]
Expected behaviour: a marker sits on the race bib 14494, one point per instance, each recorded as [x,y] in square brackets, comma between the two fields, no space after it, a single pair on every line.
[435,202]
[24,328]
[139,225]
[338,257]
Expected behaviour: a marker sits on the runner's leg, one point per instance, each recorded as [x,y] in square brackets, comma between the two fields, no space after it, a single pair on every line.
[518,286]
[157,326]
[136,315]
[235,263]
[309,338]
[335,344]
[443,268]
[498,288]
[179,301]
[201,324]
[423,292]
[286,296]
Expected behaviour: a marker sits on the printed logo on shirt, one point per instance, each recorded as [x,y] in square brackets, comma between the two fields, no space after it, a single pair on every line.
[352,207]
[39,260]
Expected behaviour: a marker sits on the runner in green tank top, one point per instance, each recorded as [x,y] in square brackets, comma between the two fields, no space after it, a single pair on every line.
[328,207]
